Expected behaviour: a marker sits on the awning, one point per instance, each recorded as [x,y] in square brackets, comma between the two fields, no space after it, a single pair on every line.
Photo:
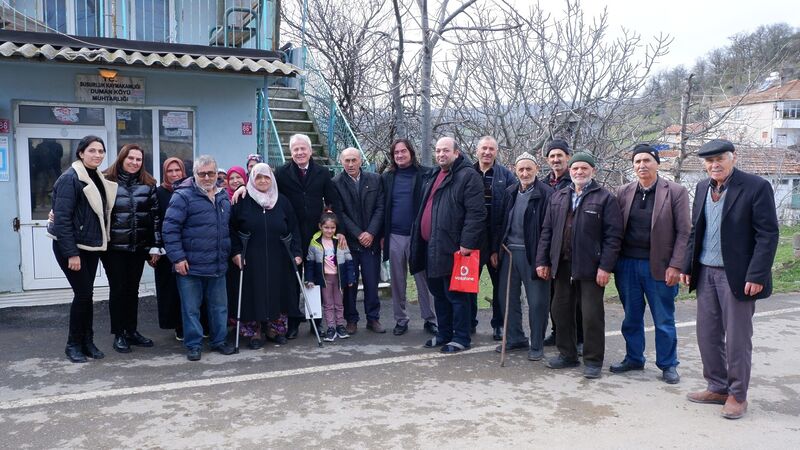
[57,47]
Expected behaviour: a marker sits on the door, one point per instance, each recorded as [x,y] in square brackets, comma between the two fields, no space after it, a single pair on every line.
[43,153]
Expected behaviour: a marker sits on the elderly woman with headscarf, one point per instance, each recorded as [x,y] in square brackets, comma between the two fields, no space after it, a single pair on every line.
[267,287]
[169,303]
[252,160]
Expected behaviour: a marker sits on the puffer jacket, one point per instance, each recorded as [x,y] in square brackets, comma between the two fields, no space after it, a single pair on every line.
[314,268]
[79,220]
[458,219]
[135,219]
[196,229]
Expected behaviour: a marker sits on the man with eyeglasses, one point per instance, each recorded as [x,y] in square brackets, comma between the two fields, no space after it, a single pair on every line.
[197,240]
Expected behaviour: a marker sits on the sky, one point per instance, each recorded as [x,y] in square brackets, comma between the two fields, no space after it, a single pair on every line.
[697,26]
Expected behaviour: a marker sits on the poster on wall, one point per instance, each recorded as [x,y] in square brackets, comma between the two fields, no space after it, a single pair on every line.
[4,169]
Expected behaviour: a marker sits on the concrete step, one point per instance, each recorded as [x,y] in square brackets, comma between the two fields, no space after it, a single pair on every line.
[287,103]
[289,114]
[293,125]
[283,93]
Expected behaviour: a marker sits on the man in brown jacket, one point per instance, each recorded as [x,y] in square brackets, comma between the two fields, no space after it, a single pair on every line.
[655,217]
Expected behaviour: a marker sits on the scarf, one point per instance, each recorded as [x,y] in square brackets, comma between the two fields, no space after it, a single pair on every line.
[265,199]
[166,185]
[235,169]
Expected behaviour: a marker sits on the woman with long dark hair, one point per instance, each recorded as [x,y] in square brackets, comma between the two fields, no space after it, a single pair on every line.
[82,202]
[134,239]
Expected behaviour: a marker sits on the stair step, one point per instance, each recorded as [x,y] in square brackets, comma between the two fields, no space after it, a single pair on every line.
[283,93]
[289,114]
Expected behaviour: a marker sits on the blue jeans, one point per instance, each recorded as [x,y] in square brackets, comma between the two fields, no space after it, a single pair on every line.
[453,312]
[368,263]
[634,283]
[192,290]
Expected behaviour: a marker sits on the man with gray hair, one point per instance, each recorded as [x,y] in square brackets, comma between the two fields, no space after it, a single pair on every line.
[361,217]
[197,241]
[309,188]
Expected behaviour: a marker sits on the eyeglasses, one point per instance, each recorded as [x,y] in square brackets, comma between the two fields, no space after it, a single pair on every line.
[209,174]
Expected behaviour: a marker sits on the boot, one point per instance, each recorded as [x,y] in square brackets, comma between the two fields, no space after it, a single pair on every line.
[89,349]
[73,350]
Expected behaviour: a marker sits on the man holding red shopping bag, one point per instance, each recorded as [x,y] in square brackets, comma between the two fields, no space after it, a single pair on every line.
[451,220]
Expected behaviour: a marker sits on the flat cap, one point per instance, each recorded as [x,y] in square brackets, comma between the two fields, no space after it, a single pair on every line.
[557,144]
[582,157]
[646,148]
[715,147]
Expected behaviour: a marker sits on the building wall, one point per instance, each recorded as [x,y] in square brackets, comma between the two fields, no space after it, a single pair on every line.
[221,104]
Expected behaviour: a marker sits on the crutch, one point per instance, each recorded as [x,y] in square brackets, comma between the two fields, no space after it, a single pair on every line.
[287,242]
[244,237]
[505,313]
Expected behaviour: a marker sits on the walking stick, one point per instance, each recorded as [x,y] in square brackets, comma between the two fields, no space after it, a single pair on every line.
[287,242]
[505,314]
[244,237]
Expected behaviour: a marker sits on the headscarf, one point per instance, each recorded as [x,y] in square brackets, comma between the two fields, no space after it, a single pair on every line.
[235,169]
[266,199]
[164,183]
[254,157]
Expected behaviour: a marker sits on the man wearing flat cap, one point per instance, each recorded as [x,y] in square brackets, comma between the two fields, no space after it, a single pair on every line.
[656,225]
[729,261]
[524,206]
[557,154]
[578,248]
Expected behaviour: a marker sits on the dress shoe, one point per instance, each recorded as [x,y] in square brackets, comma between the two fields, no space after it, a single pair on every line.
[592,372]
[497,333]
[431,328]
[521,345]
[625,366]
[559,362]
[400,330]
[193,354]
[535,355]
[375,326]
[255,343]
[91,350]
[121,344]
[291,333]
[550,340]
[136,338]
[224,349]
[670,375]
[74,353]
[733,409]
[352,328]
[707,397]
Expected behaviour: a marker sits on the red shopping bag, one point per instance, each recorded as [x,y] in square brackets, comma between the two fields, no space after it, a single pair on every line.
[466,275]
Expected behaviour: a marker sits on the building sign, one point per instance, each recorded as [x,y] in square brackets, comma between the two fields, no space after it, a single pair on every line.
[247,128]
[5,126]
[4,169]
[93,88]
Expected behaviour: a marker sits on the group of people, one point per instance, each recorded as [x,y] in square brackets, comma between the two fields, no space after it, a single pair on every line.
[232,252]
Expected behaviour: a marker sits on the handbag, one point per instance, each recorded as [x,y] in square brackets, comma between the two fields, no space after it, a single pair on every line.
[466,272]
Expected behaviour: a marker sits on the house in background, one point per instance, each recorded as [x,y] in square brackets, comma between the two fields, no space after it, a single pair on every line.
[179,77]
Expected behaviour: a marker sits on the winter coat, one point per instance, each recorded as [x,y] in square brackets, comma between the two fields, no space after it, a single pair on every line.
[387,178]
[315,263]
[458,219]
[196,229]
[80,222]
[502,178]
[269,285]
[361,209]
[596,232]
[535,212]
[307,196]
[136,217]
[561,184]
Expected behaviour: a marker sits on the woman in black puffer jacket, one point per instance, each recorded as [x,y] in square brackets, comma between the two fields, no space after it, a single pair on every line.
[134,238]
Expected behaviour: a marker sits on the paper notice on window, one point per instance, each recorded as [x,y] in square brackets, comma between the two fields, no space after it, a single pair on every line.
[65,114]
[175,119]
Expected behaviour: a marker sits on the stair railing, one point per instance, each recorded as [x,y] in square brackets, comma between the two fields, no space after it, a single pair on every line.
[269,143]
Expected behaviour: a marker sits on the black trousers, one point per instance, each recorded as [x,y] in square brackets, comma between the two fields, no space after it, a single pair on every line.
[578,314]
[124,271]
[82,283]
[568,295]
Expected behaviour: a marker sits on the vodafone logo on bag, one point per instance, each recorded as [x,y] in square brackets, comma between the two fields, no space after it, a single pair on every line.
[464,271]
[464,275]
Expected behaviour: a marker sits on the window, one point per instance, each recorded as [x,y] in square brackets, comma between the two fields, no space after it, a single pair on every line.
[791,110]
[78,17]
[152,20]
[176,136]
[61,115]
[135,126]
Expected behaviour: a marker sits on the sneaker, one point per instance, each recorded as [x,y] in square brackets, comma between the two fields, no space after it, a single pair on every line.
[193,354]
[179,336]
[341,332]
[431,328]
[400,330]
[592,372]
[670,375]
[559,362]
[330,335]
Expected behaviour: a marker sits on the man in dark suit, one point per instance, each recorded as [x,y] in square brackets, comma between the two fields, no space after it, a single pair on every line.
[656,226]
[729,261]
[309,188]
[361,219]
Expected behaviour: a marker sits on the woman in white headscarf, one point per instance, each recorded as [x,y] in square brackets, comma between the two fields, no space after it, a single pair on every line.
[268,287]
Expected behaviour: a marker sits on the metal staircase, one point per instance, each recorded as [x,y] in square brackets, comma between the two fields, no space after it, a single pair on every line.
[291,115]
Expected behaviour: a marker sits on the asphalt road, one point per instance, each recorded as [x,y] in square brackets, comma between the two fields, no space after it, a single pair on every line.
[373,391]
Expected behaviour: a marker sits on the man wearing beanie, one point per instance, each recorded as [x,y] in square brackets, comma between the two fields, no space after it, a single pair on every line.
[655,218]
[578,248]
[557,153]
[729,260]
